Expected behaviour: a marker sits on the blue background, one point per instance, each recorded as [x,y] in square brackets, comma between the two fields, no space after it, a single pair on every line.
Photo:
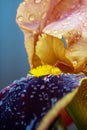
[13,57]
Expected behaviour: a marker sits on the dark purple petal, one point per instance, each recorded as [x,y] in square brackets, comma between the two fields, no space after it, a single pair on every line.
[24,103]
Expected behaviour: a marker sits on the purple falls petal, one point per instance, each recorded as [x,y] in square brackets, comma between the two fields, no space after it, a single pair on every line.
[24,103]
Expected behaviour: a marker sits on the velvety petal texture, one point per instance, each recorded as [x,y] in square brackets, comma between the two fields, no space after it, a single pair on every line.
[25,102]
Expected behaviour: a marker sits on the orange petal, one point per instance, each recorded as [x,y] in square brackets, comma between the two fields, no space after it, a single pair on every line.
[59,50]
[74,29]
[48,50]
[32,15]
[44,49]
[69,22]
[30,41]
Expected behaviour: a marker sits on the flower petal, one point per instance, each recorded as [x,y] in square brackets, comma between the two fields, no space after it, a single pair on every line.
[48,50]
[59,24]
[78,107]
[44,50]
[19,100]
[32,14]
[30,41]
[31,18]
[73,28]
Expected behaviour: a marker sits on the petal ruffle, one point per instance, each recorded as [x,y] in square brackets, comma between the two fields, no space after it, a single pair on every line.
[73,28]
[31,18]
[48,50]
[69,22]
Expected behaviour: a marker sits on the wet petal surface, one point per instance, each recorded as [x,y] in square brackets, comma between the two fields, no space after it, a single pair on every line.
[25,102]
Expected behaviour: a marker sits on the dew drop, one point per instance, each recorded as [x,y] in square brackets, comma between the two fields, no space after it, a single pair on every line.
[22,95]
[15,108]
[18,113]
[85,25]
[24,90]
[20,18]
[32,96]
[34,32]
[42,87]
[23,3]
[37,1]
[44,108]
[35,88]
[23,103]
[23,116]
[16,123]
[32,18]
[75,63]
[22,122]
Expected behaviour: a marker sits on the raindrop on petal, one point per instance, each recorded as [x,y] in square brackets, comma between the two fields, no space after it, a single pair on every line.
[85,24]
[20,18]
[37,1]
[75,63]
[32,18]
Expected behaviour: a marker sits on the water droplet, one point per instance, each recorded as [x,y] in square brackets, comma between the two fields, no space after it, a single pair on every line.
[44,108]
[43,15]
[23,116]
[34,32]
[42,87]
[16,123]
[23,103]
[32,96]
[23,3]
[20,18]
[85,24]
[22,95]
[75,63]
[22,122]
[18,113]
[35,88]
[15,108]
[37,1]
[31,18]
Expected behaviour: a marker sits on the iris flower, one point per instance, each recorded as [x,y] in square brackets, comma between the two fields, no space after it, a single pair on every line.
[55,36]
